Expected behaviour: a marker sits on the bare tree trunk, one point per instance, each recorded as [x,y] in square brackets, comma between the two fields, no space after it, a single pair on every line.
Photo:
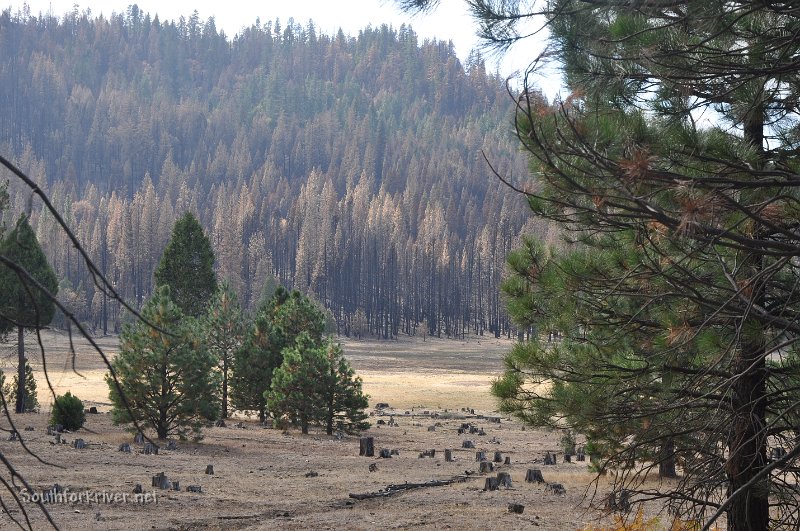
[20,406]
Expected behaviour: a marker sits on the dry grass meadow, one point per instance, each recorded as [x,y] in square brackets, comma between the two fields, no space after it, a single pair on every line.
[269,479]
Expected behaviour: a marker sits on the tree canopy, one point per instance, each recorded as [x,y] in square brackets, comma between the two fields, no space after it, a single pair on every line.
[672,162]
[29,286]
[165,373]
[187,267]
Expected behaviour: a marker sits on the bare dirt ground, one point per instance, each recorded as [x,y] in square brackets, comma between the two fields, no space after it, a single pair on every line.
[269,479]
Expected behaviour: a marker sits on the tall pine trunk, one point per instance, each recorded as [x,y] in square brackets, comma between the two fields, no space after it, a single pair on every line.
[747,444]
[20,405]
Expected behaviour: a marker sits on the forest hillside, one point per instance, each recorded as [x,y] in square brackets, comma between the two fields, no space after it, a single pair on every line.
[349,167]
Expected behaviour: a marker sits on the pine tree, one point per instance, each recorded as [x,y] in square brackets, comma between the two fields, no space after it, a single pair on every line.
[224,329]
[28,293]
[276,326]
[187,267]
[11,390]
[166,374]
[316,385]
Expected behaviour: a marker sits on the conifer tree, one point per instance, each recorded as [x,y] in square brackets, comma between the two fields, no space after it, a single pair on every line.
[224,328]
[316,385]
[187,267]
[276,326]
[166,373]
[28,294]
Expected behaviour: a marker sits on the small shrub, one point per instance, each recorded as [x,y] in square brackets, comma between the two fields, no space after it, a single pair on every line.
[68,411]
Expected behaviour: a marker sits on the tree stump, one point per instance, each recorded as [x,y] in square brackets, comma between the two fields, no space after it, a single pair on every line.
[138,438]
[556,488]
[384,453]
[580,455]
[495,420]
[486,467]
[448,455]
[125,447]
[480,456]
[210,470]
[549,459]
[220,423]
[504,479]
[172,445]
[194,488]
[51,430]
[373,467]
[160,481]
[58,428]
[58,438]
[515,508]
[394,451]
[567,458]
[13,436]
[150,448]
[619,501]
[491,484]
[534,475]
[30,428]
[176,485]
[473,429]
[498,457]
[467,444]
[93,410]
[381,422]
[431,428]
[367,447]
[138,489]
[79,444]
[507,460]
[461,431]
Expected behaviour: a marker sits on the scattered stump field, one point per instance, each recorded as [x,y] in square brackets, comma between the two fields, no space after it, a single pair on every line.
[427,400]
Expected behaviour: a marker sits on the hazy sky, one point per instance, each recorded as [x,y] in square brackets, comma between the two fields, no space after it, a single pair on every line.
[450,21]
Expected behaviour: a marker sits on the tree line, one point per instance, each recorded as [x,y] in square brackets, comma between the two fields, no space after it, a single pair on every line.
[347,167]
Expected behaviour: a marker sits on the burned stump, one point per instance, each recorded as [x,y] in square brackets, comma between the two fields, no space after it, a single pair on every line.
[138,438]
[491,484]
[504,479]
[498,457]
[79,444]
[486,467]
[555,488]
[385,453]
[125,447]
[534,475]
[150,448]
[515,508]
[467,444]
[366,446]
[549,459]
[210,470]
[138,489]
[448,455]
[194,488]
[160,481]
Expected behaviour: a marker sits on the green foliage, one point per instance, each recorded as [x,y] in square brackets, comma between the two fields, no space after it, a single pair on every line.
[187,267]
[277,325]
[24,304]
[68,411]
[316,385]
[10,390]
[166,374]
[224,329]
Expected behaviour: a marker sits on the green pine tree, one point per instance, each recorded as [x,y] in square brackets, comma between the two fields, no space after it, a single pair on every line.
[224,329]
[316,385]
[24,303]
[276,326]
[12,389]
[166,374]
[187,267]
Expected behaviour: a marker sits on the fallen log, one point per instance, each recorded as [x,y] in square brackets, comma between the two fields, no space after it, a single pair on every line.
[394,489]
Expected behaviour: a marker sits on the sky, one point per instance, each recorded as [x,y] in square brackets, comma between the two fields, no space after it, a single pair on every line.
[450,21]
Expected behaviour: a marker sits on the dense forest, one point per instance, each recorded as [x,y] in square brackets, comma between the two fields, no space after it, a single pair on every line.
[348,167]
